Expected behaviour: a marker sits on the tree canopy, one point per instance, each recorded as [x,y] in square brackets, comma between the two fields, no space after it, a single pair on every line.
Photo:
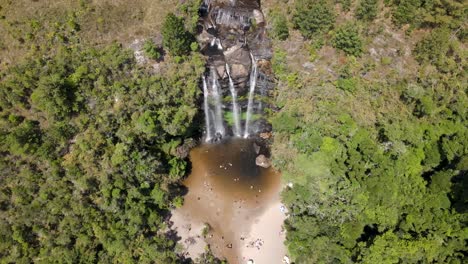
[88,169]
[176,39]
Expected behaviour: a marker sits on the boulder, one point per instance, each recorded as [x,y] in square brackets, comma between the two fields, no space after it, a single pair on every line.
[239,71]
[229,50]
[265,135]
[265,67]
[204,39]
[258,16]
[263,161]
[240,61]
[221,70]
[238,55]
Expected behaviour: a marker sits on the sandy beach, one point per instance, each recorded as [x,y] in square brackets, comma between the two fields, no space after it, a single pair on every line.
[266,230]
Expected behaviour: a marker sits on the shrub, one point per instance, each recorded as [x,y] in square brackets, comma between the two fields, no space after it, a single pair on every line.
[313,17]
[367,10]
[175,38]
[430,13]
[346,84]
[434,47]
[345,4]
[386,60]
[151,50]
[406,12]
[285,122]
[348,40]
[25,138]
[279,26]
[279,63]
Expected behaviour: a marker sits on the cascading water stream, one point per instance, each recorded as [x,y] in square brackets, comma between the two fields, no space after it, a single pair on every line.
[253,83]
[209,134]
[218,120]
[235,106]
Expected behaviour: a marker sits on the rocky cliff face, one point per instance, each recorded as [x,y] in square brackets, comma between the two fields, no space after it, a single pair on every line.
[232,36]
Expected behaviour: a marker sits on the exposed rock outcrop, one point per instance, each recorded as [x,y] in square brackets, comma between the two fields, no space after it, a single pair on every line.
[263,161]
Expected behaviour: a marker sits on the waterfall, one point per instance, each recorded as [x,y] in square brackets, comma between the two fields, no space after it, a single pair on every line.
[235,106]
[232,17]
[216,42]
[209,135]
[253,82]
[218,120]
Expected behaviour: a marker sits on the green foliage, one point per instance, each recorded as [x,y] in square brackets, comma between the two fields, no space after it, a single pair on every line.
[279,26]
[434,47]
[433,13]
[175,38]
[209,258]
[84,170]
[313,17]
[346,84]
[376,173]
[285,122]
[151,50]
[279,63]
[178,167]
[345,4]
[406,11]
[367,10]
[25,138]
[190,9]
[178,201]
[347,39]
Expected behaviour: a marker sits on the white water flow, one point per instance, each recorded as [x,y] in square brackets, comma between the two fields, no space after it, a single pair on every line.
[209,135]
[218,120]
[253,83]
[235,106]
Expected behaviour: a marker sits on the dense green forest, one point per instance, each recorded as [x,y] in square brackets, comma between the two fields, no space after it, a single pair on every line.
[372,129]
[93,145]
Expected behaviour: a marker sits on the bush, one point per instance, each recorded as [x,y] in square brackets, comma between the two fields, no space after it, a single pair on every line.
[346,84]
[151,50]
[430,13]
[345,4]
[433,48]
[406,12]
[367,10]
[54,96]
[348,40]
[313,17]
[25,138]
[279,26]
[175,38]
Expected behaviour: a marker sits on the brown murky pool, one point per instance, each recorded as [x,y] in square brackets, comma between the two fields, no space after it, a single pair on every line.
[238,199]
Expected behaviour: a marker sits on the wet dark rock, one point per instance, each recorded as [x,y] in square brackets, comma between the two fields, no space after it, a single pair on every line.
[264,126]
[256,148]
[204,39]
[232,17]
